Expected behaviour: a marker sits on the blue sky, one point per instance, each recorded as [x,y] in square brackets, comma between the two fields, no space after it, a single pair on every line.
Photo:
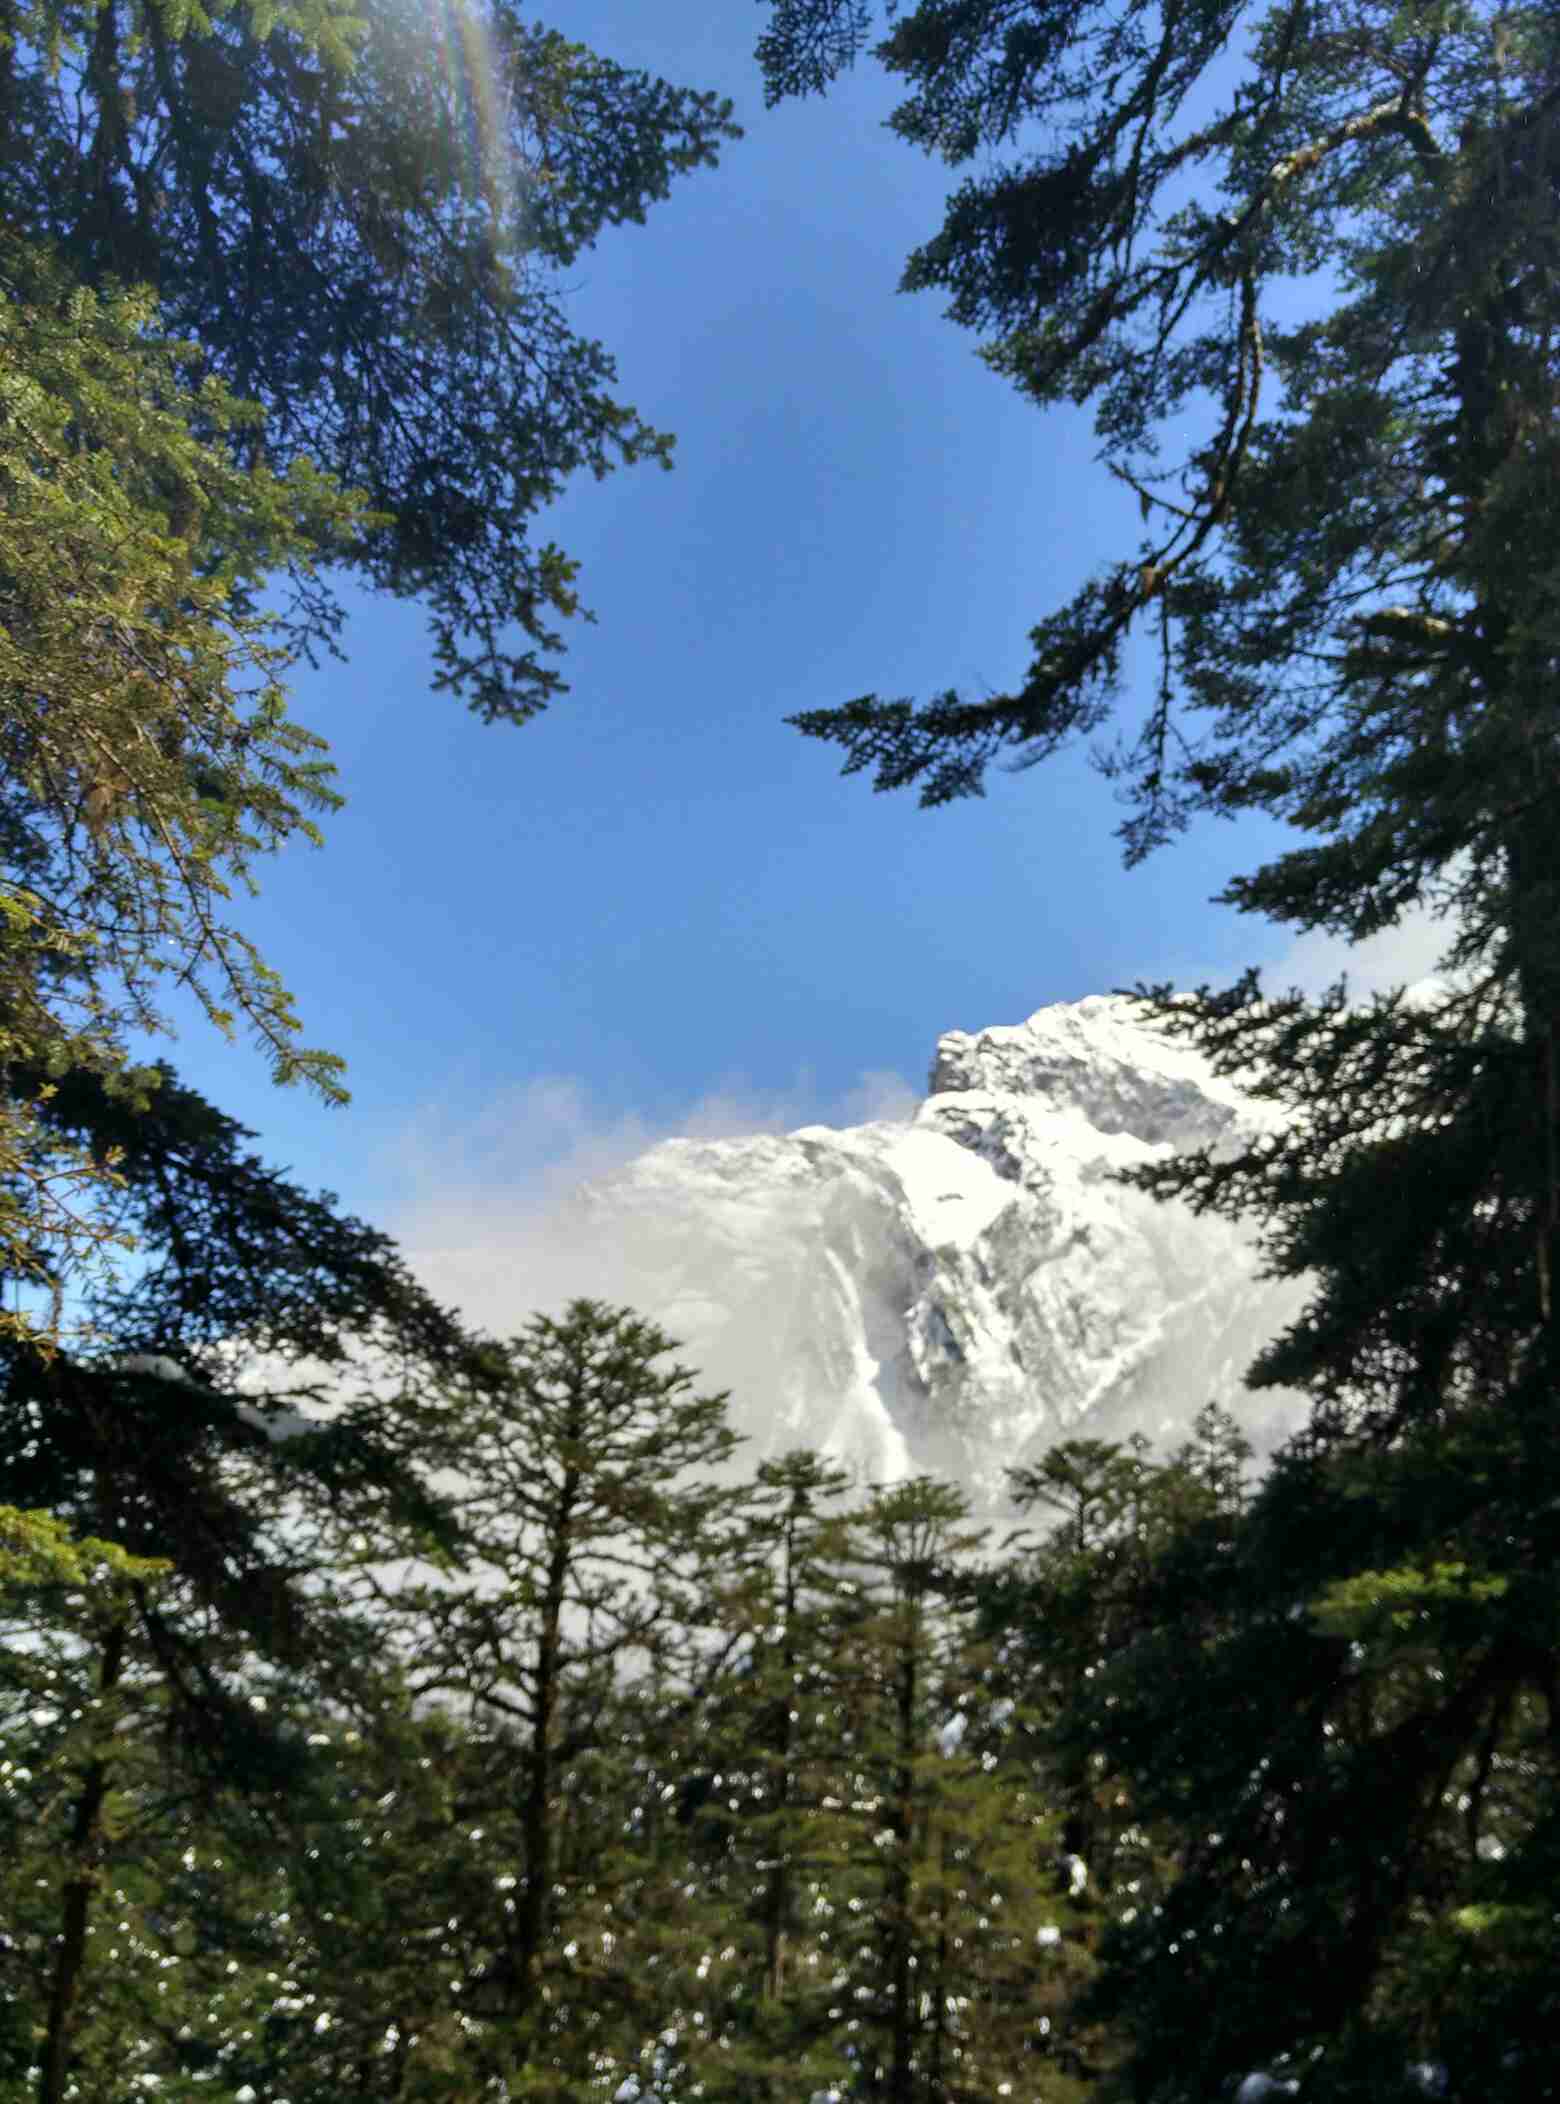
[656,908]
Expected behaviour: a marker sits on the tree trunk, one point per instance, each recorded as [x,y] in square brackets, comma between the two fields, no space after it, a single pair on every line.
[777,1893]
[85,1839]
[902,2075]
[532,1911]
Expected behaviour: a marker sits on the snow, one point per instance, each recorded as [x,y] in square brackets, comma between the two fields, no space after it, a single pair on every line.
[1103,1054]
[951,1736]
[949,1196]
[276,1424]
[159,1366]
[888,1455]
[953,1295]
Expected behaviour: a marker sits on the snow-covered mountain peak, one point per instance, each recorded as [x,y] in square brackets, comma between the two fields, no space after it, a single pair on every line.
[955,1292]
[1099,1059]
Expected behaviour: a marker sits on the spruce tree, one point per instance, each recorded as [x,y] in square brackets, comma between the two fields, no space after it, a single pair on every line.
[1057,1613]
[253,1304]
[162,1787]
[591,1542]
[174,1556]
[749,1797]
[148,755]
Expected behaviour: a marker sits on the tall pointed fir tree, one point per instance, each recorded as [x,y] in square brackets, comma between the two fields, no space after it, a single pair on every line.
[1056,1613]
[592,1541]
[1351,588]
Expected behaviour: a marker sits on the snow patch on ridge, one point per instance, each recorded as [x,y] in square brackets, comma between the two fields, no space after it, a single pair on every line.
[1103,1060]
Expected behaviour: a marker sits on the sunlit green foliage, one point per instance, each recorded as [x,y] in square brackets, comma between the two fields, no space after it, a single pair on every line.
[148,753]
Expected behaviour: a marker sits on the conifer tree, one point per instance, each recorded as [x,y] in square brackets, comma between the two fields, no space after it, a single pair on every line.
[365,219]
[759,1841]
[161,1788]
[176,1545]
[947,1937]
[807,1545]
[253,1303]
[591,1540]
[1058,1613]
[281,299]
[148,754]
[1350,588]
[375,1923]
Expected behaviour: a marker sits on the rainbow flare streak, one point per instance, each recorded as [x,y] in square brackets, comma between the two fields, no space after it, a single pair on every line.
[479,109]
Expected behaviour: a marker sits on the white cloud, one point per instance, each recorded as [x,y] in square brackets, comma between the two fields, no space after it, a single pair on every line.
[491,1223]
[1407,954]
[878,1097]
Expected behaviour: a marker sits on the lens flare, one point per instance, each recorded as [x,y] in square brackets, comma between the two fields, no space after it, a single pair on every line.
[478,107]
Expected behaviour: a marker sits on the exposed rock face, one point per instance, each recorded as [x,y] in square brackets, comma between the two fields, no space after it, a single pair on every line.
[957,1292]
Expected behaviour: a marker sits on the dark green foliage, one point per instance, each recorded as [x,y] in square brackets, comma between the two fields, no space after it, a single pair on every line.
[1057,1617]
[151,1436]
[952,1943]
[371,251]
[168,1705]
[235,1259]
[1415,161]
[590,1546]
[1352,1829]
[754,1808]
[1342,1700]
